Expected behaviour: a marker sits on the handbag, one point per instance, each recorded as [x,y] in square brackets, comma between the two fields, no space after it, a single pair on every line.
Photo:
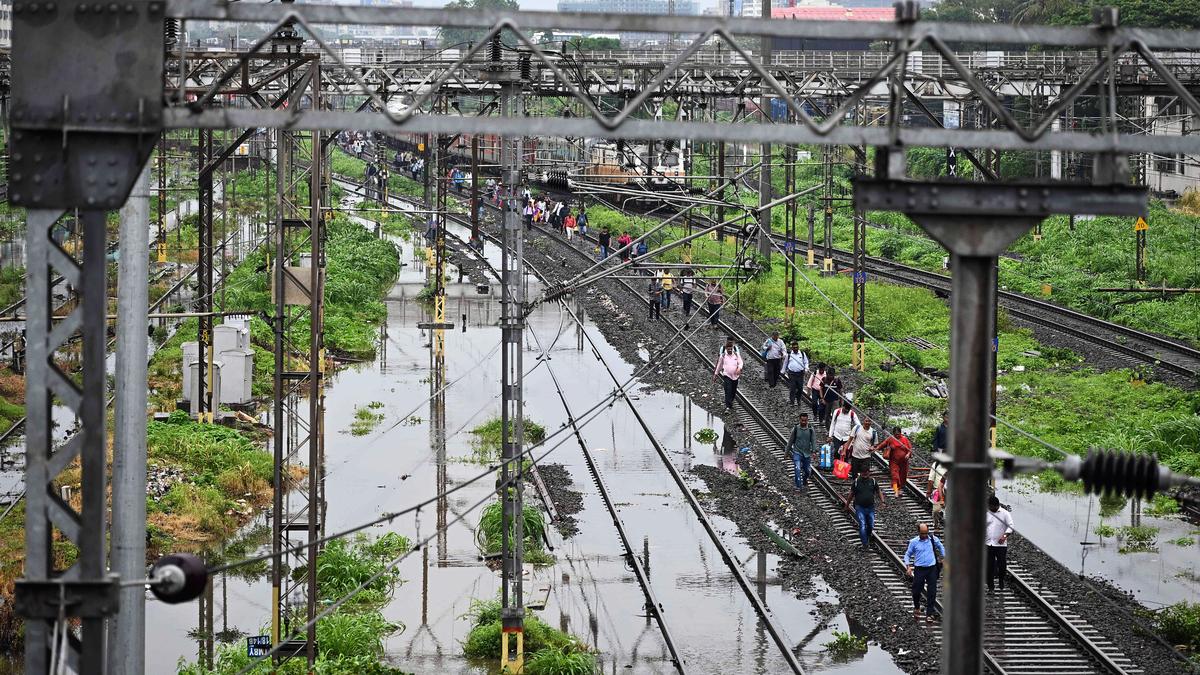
[841,469]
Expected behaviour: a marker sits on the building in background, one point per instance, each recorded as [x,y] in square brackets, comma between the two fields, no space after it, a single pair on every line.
[824,11]
[688,7]
[6,24]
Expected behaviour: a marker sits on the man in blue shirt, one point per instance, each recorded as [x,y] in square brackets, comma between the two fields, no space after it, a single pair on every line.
[924,566]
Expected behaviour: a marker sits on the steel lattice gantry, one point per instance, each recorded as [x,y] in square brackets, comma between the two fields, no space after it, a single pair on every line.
[88,106]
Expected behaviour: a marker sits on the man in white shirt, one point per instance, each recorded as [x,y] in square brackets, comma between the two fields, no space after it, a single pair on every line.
[841,424]
[999,526]
[795,365]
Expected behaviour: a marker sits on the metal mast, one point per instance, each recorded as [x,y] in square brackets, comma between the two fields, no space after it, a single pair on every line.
[298,262]
[512,327]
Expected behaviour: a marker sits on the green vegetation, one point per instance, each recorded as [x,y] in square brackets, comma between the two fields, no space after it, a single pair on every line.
[1045,391]
[548,651]
[1179,624]
[461,37]
[366,418]
[705,435]
[352,638]
[225,474]
[490,532]
[845,645]
[1105,531]
[12,285]
[1138,539]
[12,398]
[1098,253]
[1184,541]
[1141,13]
[486,438]
[1163,505]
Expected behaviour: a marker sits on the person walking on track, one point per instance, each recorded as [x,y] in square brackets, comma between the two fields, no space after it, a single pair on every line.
[729,368]
[831,391]
[795,366]
[941,435]
[655,293]
[999,526]
[773,351]
[923,562]
[862,442]
[715,299]
[803,443]
[668,286]
[605,239]
[864,491]
[897,450]
[623,243]
[841,423]
[687,286]
[816,395]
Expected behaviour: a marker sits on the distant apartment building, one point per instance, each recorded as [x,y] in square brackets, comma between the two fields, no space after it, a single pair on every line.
[6,24]
[687,7]
[1170,172]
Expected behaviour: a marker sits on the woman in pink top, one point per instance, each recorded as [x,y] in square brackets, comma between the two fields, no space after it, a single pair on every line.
[729,367]
[816,382]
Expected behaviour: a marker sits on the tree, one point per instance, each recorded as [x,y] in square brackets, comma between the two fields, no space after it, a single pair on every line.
[1141,13]
[596,43]
[451,36]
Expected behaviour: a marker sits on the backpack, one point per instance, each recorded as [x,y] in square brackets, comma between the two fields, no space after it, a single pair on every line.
[641,248]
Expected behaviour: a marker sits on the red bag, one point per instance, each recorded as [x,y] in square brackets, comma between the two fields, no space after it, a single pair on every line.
[841,469]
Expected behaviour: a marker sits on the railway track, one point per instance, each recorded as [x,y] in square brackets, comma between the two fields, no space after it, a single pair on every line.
[731,562]
[1030,631]
[1128,343]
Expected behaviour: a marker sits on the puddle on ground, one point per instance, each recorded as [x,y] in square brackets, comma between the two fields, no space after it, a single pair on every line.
[592,593]
[1061,523]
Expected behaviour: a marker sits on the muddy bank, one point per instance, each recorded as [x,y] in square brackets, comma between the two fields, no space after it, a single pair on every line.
[567,500]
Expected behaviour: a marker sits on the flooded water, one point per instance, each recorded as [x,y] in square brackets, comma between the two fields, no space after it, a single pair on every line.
[589,591]
[1065,526]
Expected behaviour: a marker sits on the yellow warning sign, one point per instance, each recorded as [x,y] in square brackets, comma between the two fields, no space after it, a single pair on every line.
[1141,225]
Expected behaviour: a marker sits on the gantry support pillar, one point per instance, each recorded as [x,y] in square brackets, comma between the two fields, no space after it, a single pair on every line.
[512,326]
[204,280]
[976,223]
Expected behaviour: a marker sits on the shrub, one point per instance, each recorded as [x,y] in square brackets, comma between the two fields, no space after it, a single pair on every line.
[489,534]
[560,662]
[1138,538]
[846,644]
[1180,624]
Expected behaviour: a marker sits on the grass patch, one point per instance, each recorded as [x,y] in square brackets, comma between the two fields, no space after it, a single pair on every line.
[1138,539]
[1184,541]
[845,645]
[706,436]
[1105,531]
[490,532]
[352,638]
[366,418]
[486,438]
[227,475]
[1179,624]
[548,651]
[12,285]
[1163,505]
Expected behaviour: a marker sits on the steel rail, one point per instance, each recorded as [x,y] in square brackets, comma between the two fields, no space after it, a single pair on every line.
[1055,616]
[918,496]
[1013,302]
[639,570]
[731,562]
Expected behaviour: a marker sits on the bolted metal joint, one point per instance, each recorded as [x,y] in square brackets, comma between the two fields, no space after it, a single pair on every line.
[51,599]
